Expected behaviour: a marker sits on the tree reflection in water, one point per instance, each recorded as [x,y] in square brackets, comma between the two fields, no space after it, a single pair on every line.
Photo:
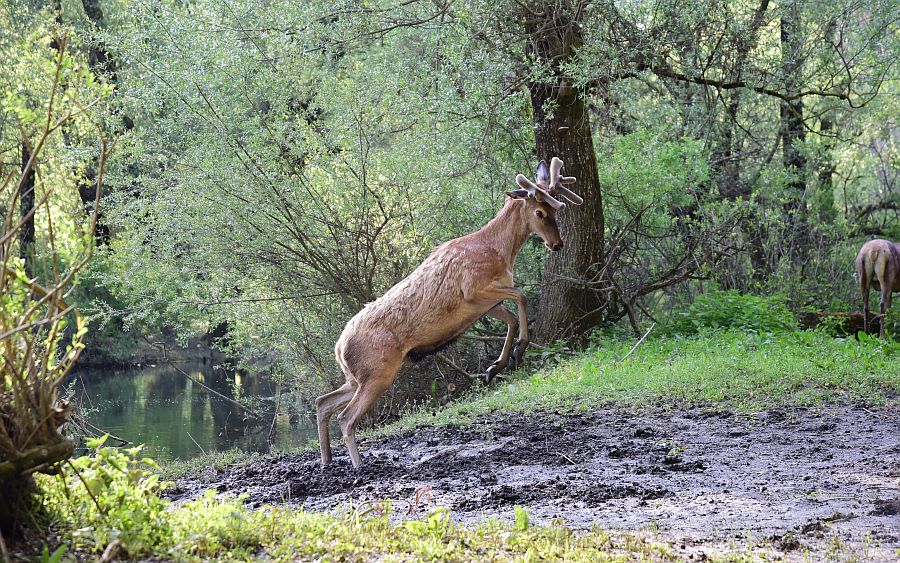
[176,419]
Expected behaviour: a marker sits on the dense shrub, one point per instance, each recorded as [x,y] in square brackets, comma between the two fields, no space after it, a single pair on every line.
[727,310]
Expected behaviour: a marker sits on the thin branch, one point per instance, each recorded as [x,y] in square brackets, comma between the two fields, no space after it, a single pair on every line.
[636,344]
[453,365]
[162,346]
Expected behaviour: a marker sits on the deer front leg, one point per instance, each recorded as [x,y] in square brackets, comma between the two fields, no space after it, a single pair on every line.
[498,312]
[522,342]
[501,293]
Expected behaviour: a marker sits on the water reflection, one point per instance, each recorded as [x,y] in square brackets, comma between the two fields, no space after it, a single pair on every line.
[177,419]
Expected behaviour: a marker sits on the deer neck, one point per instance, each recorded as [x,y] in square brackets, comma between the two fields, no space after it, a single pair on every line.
[508,230]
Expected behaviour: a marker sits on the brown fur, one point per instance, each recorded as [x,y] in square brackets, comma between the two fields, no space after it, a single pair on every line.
[461,281]
[878,266]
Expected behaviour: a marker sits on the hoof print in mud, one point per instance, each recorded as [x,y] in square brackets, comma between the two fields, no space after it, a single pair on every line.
[559,489]
[887,507]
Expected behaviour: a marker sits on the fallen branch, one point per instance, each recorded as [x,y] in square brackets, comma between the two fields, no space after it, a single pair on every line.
[636,344]
[450,363]
[497,339]
[195,443]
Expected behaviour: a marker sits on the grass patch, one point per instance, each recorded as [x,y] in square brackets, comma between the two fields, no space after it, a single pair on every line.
[734,370]
[196,466]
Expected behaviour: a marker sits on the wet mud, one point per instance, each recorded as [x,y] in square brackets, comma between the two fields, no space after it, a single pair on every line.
[793,480]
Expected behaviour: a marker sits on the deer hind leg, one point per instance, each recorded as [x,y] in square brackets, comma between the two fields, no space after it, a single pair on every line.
[325,406]
[864,290]
[885,284]
[498,312]
[373,382]
[884,306]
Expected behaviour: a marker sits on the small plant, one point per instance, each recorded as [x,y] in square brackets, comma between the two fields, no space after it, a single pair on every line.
[673,447]
[112,495]
[55,557]
[551,354]
[521,518]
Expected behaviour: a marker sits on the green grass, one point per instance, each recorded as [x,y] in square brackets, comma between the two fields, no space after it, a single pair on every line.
[226,530]
[208,461]
[723,370]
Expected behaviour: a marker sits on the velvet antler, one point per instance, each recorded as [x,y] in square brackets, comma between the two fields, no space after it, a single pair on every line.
[557,181]
[536,191]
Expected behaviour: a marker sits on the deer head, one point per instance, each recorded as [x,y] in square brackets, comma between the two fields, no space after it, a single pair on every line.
[542,202]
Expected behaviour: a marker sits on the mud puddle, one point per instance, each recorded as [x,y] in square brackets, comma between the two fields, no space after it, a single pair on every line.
[789,480]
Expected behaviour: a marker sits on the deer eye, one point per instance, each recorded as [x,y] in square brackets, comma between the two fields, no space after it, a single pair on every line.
[541,214]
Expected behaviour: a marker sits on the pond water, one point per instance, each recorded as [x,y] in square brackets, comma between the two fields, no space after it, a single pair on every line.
[177,419]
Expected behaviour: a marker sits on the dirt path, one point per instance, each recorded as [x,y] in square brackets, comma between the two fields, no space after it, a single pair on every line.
[794,480]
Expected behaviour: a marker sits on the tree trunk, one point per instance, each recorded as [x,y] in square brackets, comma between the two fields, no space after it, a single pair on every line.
[102,65]
[570,306]
[98,58]
[26,204]
[793,132]
[825,211]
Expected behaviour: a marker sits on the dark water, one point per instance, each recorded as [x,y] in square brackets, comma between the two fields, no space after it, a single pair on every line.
[177,419]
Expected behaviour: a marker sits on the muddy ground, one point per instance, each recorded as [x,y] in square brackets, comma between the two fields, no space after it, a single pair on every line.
[793,480]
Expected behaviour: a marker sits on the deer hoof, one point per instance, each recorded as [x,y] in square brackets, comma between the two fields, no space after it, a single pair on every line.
[493,370]
[519,352]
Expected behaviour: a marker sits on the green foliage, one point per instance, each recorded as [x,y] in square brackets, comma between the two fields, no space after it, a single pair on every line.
[647,169]
[521,518]
[45,244]
[55,557]
[732,310]
[280,175]
[110,495]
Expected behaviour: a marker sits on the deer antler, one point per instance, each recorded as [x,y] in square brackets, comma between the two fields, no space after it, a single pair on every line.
[536,191]
[557,181]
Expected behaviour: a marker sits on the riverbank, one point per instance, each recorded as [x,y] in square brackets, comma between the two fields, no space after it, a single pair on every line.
[724,445]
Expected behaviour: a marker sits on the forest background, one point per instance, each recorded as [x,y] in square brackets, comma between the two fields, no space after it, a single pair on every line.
[280,164]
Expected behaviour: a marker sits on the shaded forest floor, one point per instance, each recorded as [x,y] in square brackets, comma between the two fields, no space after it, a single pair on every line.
[791,481]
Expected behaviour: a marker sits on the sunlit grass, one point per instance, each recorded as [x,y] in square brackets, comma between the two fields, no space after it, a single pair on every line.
[737,371]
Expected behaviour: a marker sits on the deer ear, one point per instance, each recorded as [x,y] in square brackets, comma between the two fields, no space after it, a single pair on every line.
[542,175]
[518,194]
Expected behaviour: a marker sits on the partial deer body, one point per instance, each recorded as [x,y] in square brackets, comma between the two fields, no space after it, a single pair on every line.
[461,281]
[878,266]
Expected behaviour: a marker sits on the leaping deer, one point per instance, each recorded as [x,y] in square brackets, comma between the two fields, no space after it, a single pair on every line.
[878,264]
[461,281]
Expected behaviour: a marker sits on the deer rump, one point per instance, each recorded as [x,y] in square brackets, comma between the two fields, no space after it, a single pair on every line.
[428,310]
[875,260]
